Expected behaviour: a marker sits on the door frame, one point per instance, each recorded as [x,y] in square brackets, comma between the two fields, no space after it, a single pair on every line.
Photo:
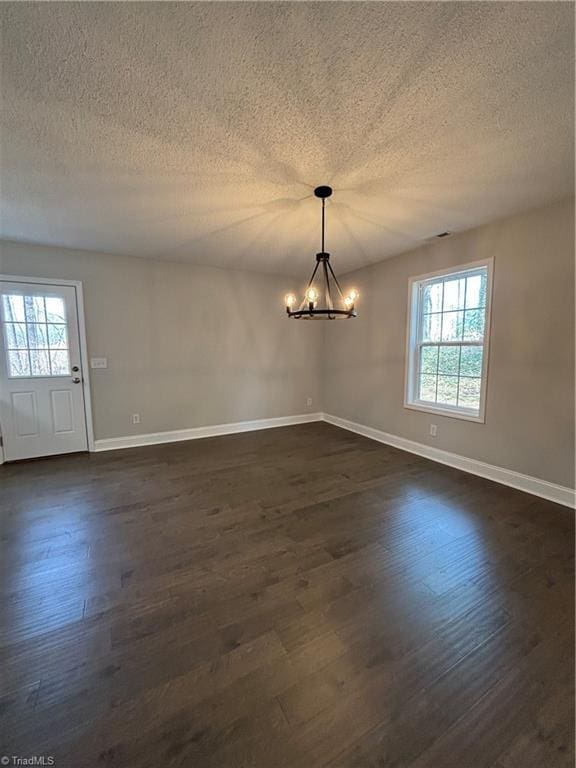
[80,317]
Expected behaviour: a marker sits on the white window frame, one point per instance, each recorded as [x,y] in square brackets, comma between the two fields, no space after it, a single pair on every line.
[413,344]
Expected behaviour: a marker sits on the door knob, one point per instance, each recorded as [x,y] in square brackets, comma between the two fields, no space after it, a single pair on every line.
[76,380]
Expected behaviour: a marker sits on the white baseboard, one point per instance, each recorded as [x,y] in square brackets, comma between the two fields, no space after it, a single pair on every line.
[195,433]
[558,493]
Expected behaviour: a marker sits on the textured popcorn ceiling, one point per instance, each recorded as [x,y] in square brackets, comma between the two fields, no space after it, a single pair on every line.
[197,131]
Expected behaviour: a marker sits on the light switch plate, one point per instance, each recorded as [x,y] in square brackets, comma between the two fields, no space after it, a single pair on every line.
[98,362]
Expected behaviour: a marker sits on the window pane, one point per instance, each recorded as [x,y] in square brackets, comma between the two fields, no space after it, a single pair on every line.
[447,390]
[454,294]
[16,336]
[13,308]
[55,311]
[57,336]
[18,364]
[427,388]
[474,324]
[60,363]
[432,298]
[40,362]
[429,360]
[452,326]
[469,393]
[37,336]
[471,361]
[35,309]
[431,325]
[476,291]
[449,361]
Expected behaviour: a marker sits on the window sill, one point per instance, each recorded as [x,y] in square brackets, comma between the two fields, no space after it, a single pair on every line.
[453,413]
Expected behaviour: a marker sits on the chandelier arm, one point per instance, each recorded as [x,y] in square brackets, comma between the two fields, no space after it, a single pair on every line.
[328,289]
[313,275]
[336,281]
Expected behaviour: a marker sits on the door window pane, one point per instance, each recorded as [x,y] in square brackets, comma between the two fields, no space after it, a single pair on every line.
[18,363]
[13,308]
[57,336]
[39,362]
[37,336]
[55,311]
[35,312]
[59,363]
[16,336]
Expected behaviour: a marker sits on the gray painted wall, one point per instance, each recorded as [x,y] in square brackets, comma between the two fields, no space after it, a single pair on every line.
[187,346]
[529,424]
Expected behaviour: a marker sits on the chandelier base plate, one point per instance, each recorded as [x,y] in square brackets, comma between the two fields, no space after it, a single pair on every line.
[323,192]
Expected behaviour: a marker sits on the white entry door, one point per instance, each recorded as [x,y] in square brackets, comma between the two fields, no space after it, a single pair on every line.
[42,394]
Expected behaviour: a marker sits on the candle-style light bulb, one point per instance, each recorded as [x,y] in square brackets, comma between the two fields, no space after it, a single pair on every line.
[290,300]
[312,294]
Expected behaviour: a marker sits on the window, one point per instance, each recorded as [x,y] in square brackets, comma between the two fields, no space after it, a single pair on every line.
[35,335]
[448,341]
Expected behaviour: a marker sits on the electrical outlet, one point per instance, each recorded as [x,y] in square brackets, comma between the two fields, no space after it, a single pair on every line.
[433,430]
[309,402]
[135,418]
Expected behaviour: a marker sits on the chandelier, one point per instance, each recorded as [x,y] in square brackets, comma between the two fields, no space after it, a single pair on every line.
[323,296]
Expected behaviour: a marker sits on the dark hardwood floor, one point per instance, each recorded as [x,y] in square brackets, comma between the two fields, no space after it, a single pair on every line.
[292,598]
